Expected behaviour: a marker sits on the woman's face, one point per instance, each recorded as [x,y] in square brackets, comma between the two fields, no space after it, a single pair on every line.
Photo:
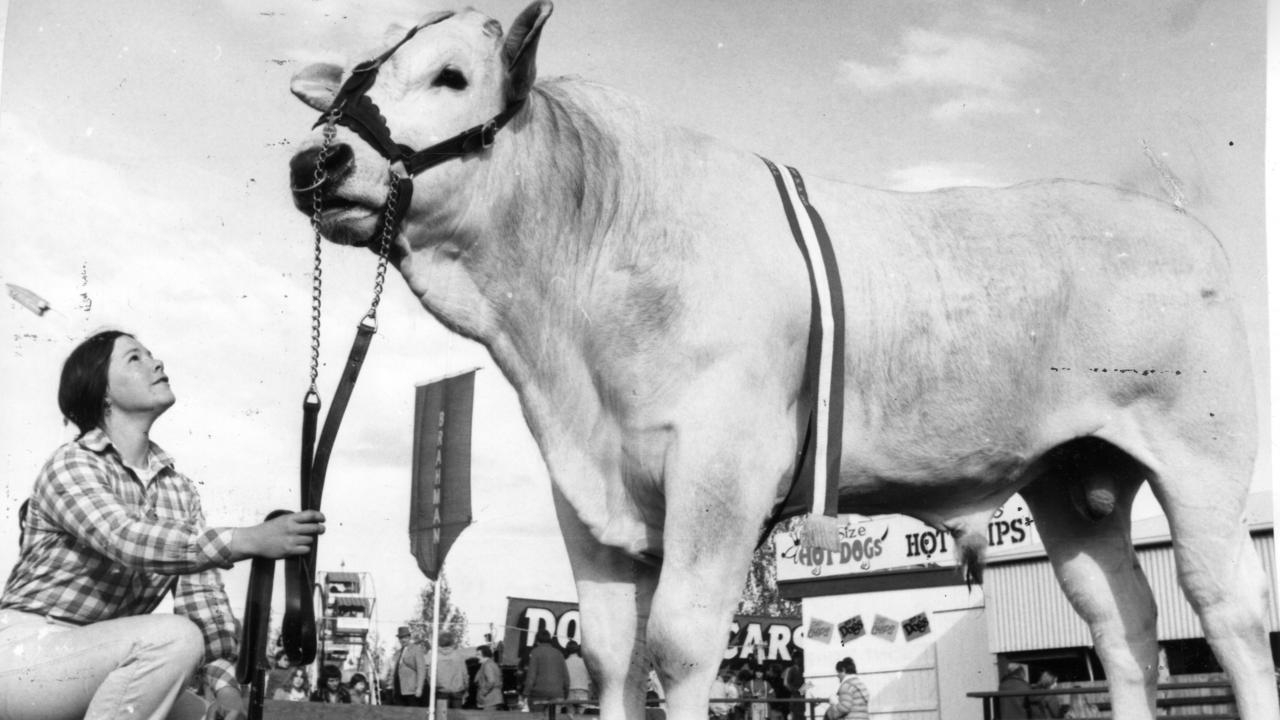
[299,679]
[136,382]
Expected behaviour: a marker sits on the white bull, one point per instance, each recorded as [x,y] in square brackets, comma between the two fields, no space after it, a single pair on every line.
[639,286]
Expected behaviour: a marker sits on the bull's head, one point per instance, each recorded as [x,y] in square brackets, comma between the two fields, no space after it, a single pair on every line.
[429,104]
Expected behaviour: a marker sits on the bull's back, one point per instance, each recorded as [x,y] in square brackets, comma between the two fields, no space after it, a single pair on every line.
[978,319]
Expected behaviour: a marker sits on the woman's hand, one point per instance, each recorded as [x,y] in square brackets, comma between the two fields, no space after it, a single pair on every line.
[291,534]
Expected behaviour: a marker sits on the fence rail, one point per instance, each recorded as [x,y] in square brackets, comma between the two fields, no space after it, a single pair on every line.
[1192,700]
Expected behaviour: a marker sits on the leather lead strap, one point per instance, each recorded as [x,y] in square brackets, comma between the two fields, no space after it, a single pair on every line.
[298,631]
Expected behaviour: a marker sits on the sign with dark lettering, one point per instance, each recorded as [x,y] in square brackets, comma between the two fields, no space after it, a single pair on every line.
[765,639]
[916,626]
[897,542]
[852,629]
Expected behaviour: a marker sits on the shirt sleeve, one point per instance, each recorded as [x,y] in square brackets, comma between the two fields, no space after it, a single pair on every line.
[77,488]
[201,598]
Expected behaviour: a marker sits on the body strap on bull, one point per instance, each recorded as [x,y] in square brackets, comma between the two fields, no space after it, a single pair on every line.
[353,109]
[814,489]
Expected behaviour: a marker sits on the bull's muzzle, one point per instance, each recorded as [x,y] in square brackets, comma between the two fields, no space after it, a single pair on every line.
[305,179]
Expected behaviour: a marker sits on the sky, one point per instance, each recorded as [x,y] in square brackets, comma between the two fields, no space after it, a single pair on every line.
[144,186]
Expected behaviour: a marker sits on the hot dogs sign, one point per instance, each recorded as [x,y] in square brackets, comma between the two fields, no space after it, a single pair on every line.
[899,542]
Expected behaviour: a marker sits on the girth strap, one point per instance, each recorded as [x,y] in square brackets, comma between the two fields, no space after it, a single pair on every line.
[815,487]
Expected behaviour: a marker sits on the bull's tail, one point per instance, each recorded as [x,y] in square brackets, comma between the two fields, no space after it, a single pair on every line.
[970,536]
[971,555]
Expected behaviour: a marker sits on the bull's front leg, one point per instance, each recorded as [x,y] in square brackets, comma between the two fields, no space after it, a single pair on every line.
[719,490]
[614,593]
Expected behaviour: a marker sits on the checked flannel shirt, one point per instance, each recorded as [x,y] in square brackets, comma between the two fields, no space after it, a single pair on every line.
[101,543]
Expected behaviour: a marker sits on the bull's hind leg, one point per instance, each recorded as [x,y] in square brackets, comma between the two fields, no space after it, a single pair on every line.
[1097,568]
[614,592]
[1203,496]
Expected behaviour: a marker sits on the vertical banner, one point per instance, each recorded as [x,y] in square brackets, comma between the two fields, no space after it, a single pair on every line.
[440,499]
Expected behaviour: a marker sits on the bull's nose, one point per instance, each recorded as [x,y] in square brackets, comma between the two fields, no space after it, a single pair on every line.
[305,177]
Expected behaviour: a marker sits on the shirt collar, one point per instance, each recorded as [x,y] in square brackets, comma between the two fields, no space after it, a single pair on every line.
[98,441]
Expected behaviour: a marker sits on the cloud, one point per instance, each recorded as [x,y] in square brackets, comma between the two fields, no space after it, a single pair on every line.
[969,105]
[931,176]
[338,28]
[985,71]
[932,58]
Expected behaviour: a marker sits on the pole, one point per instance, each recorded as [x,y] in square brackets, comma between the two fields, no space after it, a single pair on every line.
[435,646]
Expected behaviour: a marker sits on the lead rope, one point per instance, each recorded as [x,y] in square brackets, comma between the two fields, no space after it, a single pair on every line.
[298,631]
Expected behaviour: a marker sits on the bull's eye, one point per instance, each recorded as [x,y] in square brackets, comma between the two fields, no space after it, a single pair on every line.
[451,78]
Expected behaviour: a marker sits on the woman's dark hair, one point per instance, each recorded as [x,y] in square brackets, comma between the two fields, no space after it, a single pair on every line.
[356,679]
[83,386]
[845,665]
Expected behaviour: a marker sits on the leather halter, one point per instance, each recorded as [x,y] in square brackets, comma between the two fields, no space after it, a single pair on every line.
[352,108]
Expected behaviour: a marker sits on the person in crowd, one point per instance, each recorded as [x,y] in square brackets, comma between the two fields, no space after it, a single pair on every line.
[451,673]
[410,670]
[488,682]
[851,699]
[547,678]
[1014,680]
[1048,706]
[793,682]
[112,527]
[358,690]
[278,676]
[579,678]
[723,688]
[742,678]
[757,688]
[773,676]
[298,689]
[331,690]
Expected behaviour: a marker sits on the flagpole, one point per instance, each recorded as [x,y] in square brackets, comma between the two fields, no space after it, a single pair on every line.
[435,646]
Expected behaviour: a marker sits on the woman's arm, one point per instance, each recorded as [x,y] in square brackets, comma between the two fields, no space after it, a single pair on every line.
[75,489]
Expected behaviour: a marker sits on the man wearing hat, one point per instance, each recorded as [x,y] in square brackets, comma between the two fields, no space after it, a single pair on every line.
[410,670]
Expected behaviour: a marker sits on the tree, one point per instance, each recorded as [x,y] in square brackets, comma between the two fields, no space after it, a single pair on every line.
[760,593]
[452,620]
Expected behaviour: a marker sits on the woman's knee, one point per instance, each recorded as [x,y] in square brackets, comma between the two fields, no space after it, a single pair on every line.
[175,638]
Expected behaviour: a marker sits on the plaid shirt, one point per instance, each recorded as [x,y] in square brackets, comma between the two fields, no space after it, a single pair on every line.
[101,543]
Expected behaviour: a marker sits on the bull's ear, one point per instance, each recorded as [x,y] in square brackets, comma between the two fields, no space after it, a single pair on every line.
[521,48]
[317,85]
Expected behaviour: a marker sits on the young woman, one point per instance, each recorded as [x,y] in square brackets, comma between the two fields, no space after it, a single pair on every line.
[298,689]
[113,527]
[850,702]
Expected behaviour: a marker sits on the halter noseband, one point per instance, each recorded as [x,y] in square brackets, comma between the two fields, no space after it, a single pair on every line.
[353,109]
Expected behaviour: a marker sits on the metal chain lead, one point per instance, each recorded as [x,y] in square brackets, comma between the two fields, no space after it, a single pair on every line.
[388,229]
[317,207]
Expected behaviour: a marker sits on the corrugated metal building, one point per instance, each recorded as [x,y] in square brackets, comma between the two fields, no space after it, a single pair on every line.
[893,600]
